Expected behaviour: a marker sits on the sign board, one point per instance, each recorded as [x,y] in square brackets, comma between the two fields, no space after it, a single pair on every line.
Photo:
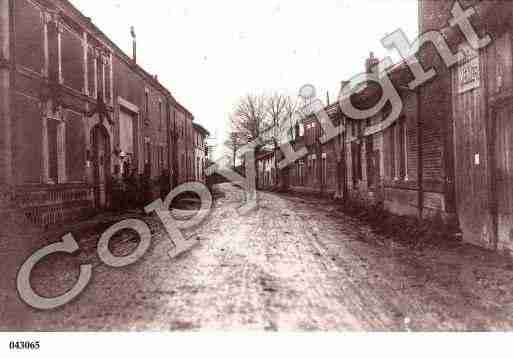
[469,73]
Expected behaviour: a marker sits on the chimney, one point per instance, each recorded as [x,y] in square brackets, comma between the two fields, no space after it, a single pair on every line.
[370,63]
[134,43]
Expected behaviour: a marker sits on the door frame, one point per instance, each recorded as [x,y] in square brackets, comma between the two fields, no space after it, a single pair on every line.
[495,106]
[96,131]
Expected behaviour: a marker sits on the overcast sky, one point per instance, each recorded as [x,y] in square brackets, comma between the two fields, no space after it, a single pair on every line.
[210,53]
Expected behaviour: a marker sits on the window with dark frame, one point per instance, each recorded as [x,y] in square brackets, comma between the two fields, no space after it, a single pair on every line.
[148,154]
[391,151]
[398,147]
[53,165]
[160,115]
[356,154]
[147,104]
[402,149]
[371,170]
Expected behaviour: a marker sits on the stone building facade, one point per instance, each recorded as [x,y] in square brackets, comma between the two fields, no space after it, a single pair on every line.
[449,152]
[77,116]
[473,99]
[200,136]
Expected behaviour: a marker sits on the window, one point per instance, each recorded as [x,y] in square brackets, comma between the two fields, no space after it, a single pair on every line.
[372,166]
[161,115]
[126,132]
[392,150]
[301,168]
[72,59]
[183,165]
[108,79]
[148,154]
[53,160]
[314,168]
[324,169]
[29,35]
[53,53]
[356,153]
[162,157]
[402,149]
[75,147]
[91,71]
[147,104]
[28,158]
[398,150]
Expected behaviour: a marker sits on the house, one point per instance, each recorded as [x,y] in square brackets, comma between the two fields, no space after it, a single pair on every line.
[77,114]
[200,152]
[471,105]
[449,151]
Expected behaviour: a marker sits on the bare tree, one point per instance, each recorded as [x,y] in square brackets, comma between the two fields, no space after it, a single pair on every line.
[250,116]
[250,121]
[266,118]
[276,107]
[291,119]
[281,109]
[234,142]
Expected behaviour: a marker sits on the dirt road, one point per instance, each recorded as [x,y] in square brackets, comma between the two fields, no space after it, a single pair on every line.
[294,264]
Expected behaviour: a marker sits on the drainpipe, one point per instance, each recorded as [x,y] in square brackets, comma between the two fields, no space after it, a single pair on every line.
[420,157]
[345,186]
[6,83]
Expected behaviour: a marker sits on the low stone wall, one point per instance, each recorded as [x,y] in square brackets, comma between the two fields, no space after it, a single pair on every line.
[47,205]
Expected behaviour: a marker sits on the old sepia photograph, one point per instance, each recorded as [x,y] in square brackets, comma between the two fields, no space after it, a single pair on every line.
[267,167]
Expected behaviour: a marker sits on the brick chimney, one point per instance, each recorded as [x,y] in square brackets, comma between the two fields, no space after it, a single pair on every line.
[134,43]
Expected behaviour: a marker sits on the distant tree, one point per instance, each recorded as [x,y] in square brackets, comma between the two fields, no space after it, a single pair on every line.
[250,117]
[268,118]
[234,142]
[250,120]
[280,109]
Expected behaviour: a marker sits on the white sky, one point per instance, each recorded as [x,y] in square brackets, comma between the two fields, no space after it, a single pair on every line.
[210,53]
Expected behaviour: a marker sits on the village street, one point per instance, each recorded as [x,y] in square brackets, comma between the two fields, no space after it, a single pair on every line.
[296,263]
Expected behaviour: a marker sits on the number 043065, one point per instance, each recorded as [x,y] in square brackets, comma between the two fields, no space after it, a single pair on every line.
[24,345]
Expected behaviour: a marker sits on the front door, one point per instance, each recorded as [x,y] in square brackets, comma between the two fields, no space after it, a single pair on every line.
[101,160]
[472,168]
[504,176]
[324,174]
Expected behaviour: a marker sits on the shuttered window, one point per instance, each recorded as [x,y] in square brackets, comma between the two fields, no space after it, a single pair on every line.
[398,151]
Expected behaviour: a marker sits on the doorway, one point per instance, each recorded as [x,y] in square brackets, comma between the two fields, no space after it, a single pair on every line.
[503,176]
[101,166]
